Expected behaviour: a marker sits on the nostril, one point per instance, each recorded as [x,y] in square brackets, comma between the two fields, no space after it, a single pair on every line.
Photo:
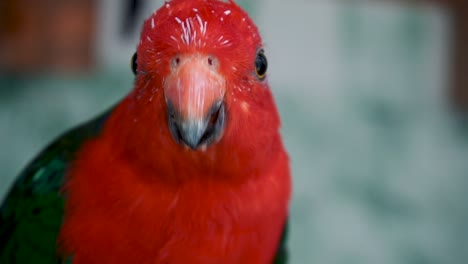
[175,61]
[212,61]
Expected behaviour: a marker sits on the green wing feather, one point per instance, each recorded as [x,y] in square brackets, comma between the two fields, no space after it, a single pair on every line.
[282,251]
[31,215]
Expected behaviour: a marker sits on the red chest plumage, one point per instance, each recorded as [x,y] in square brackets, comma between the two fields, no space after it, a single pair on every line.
[112,218]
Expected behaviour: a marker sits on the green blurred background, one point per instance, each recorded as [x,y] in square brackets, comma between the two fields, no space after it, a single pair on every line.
[372,105]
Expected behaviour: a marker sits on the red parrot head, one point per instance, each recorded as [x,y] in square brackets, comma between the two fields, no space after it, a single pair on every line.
[201,88]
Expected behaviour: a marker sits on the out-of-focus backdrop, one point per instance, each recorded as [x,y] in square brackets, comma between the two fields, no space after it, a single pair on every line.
[373,97]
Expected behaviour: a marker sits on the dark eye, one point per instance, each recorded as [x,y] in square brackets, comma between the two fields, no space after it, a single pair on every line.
[134,64]
[261,65]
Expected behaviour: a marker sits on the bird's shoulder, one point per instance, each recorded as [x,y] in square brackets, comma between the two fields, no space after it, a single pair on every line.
[31,214]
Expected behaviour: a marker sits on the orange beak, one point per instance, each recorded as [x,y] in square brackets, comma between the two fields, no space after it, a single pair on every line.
[194,92]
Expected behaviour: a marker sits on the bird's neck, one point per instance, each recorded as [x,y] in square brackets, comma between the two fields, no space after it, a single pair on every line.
[140,136]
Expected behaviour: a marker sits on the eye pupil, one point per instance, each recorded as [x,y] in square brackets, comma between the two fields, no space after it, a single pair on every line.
[134,63]
[261,64]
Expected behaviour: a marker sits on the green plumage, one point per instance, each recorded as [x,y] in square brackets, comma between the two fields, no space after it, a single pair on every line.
[31,215]
[282,251]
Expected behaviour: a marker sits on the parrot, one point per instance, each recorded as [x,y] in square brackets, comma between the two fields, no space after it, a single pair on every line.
[189,167]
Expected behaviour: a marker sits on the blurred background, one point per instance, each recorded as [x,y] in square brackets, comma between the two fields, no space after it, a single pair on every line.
[373,96]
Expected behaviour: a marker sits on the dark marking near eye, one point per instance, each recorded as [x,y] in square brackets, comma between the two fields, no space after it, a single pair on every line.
[134,63]
[261,65]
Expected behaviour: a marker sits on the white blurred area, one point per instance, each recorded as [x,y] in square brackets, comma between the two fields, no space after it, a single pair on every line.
[379,172]
[113,51]
[379,168]
[378,160]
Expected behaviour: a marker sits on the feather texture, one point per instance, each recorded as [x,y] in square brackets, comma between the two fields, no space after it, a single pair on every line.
[31,215]
[134,194]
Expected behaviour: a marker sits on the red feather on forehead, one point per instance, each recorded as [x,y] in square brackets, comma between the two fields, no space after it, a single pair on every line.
[213,27]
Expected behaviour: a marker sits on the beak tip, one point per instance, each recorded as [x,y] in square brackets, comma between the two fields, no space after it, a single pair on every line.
[197,133]
[192,135]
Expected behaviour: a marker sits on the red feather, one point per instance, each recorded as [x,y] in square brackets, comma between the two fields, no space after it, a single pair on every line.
[136,196]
